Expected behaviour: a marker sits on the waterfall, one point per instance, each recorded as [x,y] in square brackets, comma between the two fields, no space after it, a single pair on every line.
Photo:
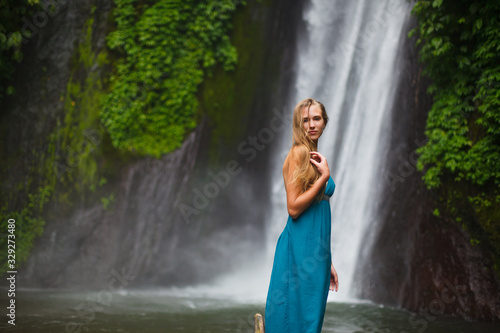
[347,60]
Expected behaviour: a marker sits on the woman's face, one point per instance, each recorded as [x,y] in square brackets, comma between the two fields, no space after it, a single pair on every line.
[313,122]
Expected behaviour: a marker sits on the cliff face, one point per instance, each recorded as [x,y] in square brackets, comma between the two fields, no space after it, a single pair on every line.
[171,221]
[420,261]
[167,221]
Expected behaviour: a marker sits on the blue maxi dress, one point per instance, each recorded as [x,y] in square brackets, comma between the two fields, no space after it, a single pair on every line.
[300,278]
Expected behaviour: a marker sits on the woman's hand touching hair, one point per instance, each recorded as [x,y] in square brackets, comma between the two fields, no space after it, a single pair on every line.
[321,163]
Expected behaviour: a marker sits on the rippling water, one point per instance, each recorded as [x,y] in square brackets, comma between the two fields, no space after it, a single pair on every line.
[171,311]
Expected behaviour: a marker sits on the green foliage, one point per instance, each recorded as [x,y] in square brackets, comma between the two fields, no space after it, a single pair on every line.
[79,134]
[460,43]
[28,225]
[227,91]
[474,242]
[12,36]
[107,201]
[62,167]
[167,47]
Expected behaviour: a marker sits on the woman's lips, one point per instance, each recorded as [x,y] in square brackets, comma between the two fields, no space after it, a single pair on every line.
[313,132]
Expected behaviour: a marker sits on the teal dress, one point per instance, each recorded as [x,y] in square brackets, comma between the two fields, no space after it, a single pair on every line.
[300,278]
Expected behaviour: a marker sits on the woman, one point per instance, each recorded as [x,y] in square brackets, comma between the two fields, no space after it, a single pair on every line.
[302,269]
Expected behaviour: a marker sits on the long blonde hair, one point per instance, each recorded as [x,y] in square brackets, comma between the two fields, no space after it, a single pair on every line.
[306,174]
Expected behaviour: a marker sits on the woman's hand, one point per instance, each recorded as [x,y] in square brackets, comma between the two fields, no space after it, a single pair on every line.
[320,162]
[297,201]
[334,280]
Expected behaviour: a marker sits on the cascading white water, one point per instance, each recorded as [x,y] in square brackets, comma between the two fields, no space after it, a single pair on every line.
[347,61]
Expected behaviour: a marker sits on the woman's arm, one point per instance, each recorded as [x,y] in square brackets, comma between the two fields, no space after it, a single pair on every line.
[334,280]
[298,202]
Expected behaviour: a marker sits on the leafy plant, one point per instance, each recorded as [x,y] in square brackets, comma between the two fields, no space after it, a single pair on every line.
[459,44]
[166,48]
[13,16]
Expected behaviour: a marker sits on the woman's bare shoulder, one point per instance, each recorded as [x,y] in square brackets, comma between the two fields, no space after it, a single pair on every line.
[292,159]
[286,162]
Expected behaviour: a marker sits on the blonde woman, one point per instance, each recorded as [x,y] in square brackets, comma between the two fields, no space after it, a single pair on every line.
[302,270]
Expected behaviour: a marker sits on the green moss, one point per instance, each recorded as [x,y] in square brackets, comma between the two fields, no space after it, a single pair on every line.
[475,242]
[80,134]
[226,96]
[63,168]
[107,201]
[28,225]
